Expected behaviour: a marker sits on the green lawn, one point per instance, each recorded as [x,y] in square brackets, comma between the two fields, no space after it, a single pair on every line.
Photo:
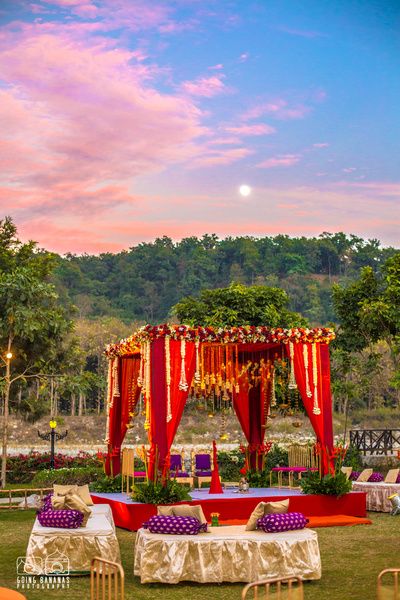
[352,557]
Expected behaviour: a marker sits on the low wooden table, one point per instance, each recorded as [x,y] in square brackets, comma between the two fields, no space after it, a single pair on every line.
[227,553]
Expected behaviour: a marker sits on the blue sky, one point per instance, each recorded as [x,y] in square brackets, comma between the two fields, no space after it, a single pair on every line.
[126,120]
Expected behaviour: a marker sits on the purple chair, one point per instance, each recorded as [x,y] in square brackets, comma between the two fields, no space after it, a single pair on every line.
[177,469]
[202,465]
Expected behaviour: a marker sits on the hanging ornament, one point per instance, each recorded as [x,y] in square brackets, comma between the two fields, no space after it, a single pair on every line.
[316,408]
[305,356]
[115,377]
[224,436]
[168,377]
[273,391]
[292,381]
[197,376]
[183,385]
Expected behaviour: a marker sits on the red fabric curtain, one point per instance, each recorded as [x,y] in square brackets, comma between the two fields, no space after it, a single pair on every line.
[250,405]
[162,433]
[318,396]
[125,403]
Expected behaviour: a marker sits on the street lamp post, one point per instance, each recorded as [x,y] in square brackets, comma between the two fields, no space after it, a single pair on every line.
[52,436]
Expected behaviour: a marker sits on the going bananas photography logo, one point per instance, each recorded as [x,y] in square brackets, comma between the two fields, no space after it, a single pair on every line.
[36,573]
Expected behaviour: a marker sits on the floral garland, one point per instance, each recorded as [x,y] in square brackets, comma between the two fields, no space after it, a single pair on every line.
[233,335]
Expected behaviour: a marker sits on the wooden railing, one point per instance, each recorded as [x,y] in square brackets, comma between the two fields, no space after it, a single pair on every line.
[375,441]
[16,496]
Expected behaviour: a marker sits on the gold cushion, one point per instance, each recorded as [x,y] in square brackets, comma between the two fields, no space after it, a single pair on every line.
[63,490]
[257,513]
[365,475]
[280,506]
[83,492]
[185,510]
[58,502]
[75,502]
[165,511]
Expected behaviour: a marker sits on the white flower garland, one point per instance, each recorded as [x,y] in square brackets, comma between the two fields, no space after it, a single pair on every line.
[273,396]
[197,376]
[292,381]
[115,375]
[147,383]
[316,409]
[168,377]
[109,396]
[305,356]
[183,385]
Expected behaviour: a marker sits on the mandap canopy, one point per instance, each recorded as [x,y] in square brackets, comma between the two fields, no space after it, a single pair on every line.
[237,365]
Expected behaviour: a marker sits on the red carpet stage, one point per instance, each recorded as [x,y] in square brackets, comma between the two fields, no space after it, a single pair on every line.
[234,506]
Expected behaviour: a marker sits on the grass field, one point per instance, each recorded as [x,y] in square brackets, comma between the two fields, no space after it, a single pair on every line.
[352,557]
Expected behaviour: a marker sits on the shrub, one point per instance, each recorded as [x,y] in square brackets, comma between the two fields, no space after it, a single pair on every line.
[154,492]
[21,468]
[78,475]
[258,478]
[353,458]
[107,484]
[276,457]
[330,485]
[229,464]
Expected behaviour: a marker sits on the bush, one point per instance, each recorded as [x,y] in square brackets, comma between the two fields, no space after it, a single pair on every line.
[330,485]
[156,493]
[229,464]
[353,458]
[276,457]
[22,467]
[78,475]
[107,484]
[258,479]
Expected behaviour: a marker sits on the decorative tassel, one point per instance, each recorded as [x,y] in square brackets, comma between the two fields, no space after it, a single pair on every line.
[273,396]
[183,385]
[197,376]
[115,376]
[168,377]
[292,381]
[305,356]
[316,409]
[109,400]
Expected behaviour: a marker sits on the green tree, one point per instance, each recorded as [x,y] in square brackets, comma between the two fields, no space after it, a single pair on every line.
[238,305]
[32,324]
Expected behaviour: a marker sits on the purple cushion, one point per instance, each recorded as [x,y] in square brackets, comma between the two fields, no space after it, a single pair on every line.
[203,473]
[202,462]
[354,475]
[181,474]
[398,478]
[174,525]
[65,518]
[175,462]
[47,505]
[376,477]
[282,522]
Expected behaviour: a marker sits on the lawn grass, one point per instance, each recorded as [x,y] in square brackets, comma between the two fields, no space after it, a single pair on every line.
[352,557]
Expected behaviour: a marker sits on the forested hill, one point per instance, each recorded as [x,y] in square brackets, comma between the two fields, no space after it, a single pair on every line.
[142,284]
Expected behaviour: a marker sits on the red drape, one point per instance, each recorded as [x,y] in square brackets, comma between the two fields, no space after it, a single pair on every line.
[322,423]
[162,433]
[122,405]
[250,404]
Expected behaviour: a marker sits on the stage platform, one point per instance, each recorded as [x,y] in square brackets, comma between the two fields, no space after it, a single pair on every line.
[232,505]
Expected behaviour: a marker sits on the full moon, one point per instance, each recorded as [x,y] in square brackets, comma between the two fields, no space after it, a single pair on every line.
[244,190]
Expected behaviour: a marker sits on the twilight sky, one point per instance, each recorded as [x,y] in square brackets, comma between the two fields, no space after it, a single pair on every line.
[127,120]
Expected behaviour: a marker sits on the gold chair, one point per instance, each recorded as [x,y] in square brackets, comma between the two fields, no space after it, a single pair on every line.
[107,580]
[202,466]
[127,469]
[391,476]
[177,468]
[286,588]
[301,458]
[391,591]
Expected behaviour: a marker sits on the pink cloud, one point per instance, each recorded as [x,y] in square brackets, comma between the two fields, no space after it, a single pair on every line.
[244,57]
[220,157]
[85,119]
[282,160]
[249,130]
[217,67]
[321,145]
[206,87]
[279,109]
